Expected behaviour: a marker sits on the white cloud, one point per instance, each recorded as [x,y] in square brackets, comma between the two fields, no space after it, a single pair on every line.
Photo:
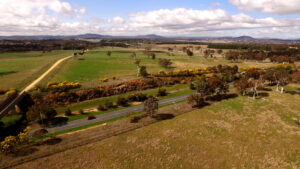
[40,17]
[116,20]
[33,16]
[180,19]
[269,6]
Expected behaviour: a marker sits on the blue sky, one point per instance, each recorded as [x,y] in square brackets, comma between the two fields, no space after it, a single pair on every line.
[258,18]
[111,8]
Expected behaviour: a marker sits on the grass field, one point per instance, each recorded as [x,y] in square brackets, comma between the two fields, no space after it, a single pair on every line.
[19,69]
[95,65]
[234,133]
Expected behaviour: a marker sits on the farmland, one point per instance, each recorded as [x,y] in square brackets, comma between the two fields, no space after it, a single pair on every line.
[222,130]
[19,69]
[234,133]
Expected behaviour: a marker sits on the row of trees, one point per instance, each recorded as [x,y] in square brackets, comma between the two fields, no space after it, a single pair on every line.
[206,87]
[255,79]
[279,57]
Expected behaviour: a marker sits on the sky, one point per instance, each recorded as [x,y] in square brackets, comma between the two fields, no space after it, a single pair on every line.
[190,18]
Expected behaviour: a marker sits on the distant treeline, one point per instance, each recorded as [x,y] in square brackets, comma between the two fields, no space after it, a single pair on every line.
[266,47]
[181,42]
[240,46]
[49,45]
[44,45]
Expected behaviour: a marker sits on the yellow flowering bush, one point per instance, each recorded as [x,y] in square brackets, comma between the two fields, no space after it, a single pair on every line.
[182,82]
[10,142]
[182,72]
[10,92]
[23,136]
[104,80]
[63,86]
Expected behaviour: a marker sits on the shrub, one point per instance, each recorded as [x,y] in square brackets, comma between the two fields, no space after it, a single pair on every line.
[63,86]
[101,107]
[68,112]
[192,86]
[143,71]
[153,56]
[182,82]
[108,53]
[108,104]
[38,111]
[189,52]
[104,80]
[166,63]
[195,100]
[10,92]
[9,144]
[161,92]
[134,119]
[2,91]
[81,111]
[49,113]
[139,97]
[121,101]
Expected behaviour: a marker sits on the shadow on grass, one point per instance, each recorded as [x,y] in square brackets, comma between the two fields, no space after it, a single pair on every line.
[221,97]
[160,117]
[201,106]
[7,73]
[266,89]
[24,151]
[259,96]
[52,141]
[293,92]
[263,94]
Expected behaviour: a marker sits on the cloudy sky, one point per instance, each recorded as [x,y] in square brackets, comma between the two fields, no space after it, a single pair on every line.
[257,18]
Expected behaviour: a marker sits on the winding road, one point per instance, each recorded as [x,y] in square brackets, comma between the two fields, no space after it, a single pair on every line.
[12,104]
[112,115]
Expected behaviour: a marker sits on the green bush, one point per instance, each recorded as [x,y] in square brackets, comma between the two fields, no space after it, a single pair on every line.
[192,86]
[121,101]
[68,112]
[137,97]
[161,92]
[108,104]
[40,112]
[101,107]
[134,119]
[81,111]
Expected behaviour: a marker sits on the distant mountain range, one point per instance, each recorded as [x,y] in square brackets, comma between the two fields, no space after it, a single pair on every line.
[227,39]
